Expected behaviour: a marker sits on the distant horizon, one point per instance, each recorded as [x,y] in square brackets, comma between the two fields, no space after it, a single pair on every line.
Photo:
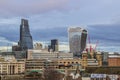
[99,47]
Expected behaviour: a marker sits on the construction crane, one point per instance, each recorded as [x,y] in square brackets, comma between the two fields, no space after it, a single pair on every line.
[96,45]
[90,46]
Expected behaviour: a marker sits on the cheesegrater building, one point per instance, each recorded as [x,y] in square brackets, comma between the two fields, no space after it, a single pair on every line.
[77,40]
[25,41]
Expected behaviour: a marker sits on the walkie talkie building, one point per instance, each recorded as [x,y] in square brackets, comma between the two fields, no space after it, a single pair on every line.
[25,41]
[77,40]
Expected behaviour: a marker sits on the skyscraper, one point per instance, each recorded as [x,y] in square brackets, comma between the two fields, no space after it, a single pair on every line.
[77,40]
[54,44]
[25,41]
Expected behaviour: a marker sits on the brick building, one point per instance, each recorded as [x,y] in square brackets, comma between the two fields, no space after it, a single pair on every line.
[114,60]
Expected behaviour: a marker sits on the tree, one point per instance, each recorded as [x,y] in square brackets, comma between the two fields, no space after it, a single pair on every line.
[51,74]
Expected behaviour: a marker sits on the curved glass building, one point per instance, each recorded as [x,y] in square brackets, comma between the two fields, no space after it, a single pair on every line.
[77,40]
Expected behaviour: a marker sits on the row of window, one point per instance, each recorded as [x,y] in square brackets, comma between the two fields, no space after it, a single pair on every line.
[71,62]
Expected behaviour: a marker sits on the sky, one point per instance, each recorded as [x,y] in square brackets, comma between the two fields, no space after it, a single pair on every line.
[49,19]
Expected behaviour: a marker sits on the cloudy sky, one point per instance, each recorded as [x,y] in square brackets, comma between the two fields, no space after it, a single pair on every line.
[49,19]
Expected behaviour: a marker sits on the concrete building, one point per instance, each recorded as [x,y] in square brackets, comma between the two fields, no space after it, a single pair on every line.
[40,64]
[41,54]
[66,58]
[17,54]
[65,66]
[25,41]
[16,48]
[8,65]
[61,64]
[57,64]
[77,40]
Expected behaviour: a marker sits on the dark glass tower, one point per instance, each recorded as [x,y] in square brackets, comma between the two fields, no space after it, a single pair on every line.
[25,41]
[54,44]
[83,40]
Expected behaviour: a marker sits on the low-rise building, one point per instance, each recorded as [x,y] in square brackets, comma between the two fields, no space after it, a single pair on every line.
[41,54]
[60,64]
[40,64]
[114,60]
[8,65]
[16,54]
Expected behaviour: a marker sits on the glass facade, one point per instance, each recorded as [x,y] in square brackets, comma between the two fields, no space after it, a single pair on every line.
[77,40]
[54,44]
[26,41]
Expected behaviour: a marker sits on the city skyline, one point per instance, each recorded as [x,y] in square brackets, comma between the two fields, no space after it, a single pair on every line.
[100,18]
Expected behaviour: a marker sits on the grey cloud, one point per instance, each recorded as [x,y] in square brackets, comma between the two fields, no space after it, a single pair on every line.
[10,32]
[6,42]
[106,33]
[50,33]
[27,7]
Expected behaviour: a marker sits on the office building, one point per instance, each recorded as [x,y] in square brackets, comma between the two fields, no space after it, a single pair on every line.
[25,41]
[16,48]
[77,40]
[41,54]
[16,54]
[40,64]
[9,65]
[54,45]
[105,58]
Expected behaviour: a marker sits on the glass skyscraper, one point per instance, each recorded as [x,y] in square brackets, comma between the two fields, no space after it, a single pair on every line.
[54,44]
[77,40]
[25,41]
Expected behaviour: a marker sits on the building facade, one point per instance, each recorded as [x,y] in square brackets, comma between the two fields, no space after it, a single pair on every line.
[60,64]
[25,41]
[114,61]
[40,64]
[54,45]
[8,65]
[105,58]
[77,40]
[39,54]
[12,68]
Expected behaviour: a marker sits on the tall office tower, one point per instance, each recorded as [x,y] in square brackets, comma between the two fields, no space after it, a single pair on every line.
[25,41]
[77,40]
[54,44]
